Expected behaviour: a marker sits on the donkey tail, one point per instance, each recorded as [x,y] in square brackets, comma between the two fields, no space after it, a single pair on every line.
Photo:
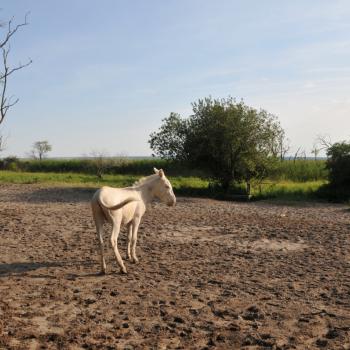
[119,205]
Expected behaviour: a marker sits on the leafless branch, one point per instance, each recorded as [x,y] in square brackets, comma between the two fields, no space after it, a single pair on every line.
[283,146]
[99,160]
[296,154]
[11,31]
[8,71]
[324,141]
[7,102]
[3,140]
[315,150]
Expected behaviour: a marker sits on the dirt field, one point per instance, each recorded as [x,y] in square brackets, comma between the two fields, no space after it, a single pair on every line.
[212,275]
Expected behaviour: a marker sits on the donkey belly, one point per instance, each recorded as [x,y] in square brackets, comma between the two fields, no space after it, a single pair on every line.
[128,212]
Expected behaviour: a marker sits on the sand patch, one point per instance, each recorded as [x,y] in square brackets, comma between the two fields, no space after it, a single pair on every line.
[274,245]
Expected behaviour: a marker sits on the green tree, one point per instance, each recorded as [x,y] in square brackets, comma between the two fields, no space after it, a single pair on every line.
[169,141]
[40,149]
[230,140]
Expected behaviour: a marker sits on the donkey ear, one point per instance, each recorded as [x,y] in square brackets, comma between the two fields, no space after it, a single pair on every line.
[156,171]
[161,173]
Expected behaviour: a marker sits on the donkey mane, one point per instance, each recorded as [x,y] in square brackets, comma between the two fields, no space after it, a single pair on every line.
[145,180]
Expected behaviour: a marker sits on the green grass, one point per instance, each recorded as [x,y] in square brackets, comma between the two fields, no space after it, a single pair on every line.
[288,190]
[191,186]
[65,178]
[190,183]
[300,170]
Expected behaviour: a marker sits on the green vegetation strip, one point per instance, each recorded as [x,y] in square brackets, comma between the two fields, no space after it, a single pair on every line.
[288,190]
[182,185]
[65,178]
[299,170]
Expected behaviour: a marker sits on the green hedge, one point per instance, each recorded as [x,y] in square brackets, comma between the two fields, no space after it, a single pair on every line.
[288,170]
[110,166]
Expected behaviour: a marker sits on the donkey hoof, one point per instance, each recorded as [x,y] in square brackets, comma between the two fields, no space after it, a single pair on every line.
[102,273]
[123,271]
[135,260]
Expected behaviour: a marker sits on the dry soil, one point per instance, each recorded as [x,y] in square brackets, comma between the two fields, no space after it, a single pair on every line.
[212,275]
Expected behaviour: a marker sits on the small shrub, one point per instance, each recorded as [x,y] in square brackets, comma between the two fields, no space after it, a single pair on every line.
[338,165]
[10,163]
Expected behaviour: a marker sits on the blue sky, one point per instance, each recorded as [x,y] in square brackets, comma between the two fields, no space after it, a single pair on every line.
[105,73]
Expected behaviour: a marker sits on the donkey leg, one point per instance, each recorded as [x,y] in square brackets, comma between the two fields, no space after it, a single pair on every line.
[135,228]
[128,251]
[99,220]
[114,241]
[100,238]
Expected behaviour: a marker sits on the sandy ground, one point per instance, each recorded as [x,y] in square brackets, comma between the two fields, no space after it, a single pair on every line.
[212,275]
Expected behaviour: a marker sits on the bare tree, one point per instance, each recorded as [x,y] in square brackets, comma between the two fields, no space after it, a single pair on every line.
[283,145]
[40,149]
[296,154]
[324,141]
[315,150]
[303,154]
[6,71]
[3,141]
[99,160]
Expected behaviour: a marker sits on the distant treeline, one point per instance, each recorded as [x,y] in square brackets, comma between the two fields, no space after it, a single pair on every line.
[299,170]
[97,166]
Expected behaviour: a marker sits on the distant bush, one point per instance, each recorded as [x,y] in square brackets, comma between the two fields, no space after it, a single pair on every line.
[338,165]
[10,163]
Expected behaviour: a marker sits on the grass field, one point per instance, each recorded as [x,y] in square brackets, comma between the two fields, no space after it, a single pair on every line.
[300,170]
[195,186]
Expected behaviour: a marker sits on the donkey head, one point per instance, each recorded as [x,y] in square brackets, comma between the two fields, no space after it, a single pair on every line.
[163,189]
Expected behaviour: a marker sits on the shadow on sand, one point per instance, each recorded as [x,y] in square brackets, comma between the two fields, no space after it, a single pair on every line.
[22,268]
[57,195]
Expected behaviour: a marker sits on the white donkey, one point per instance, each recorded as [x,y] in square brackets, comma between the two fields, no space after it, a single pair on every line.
[126,206]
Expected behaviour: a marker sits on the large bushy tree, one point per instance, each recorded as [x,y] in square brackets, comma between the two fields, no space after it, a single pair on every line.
[231,140]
